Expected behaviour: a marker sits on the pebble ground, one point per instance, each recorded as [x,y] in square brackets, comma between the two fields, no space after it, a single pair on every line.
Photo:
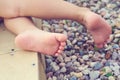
[81,60]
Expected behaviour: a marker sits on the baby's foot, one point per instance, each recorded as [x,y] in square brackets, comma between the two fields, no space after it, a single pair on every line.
[98,27]
[40,41]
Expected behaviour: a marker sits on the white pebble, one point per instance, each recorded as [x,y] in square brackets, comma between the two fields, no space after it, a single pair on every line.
[85,57]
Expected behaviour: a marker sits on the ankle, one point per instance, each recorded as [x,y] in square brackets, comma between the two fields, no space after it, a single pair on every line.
[81,14]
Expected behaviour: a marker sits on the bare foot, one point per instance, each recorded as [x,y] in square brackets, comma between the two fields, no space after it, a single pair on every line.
[40,41]
[98,27]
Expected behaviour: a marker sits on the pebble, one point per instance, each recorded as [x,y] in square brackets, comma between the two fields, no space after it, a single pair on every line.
[85,57]
[80,56]
[50,78]
[118,77]
[86,71]
[76,64]
[92,64]
[106,70]
[107,63]
[69,64]
[73,78]
[111,78]
[56,68]
[60,58]
[48,61]
[62,64]
[60,77]
[107,55]
[98,66]
[116,46]
[63,69]
[94,75]
[54,78]
[67,59]
[78,75]
[114,55]
[49,74]
[74,41]
[73,57]
[116,68]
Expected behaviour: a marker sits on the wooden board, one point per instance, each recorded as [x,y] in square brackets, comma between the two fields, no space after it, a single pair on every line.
[16,64]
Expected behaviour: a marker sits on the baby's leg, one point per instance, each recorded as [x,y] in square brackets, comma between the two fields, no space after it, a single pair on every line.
[31,38]
[47,9]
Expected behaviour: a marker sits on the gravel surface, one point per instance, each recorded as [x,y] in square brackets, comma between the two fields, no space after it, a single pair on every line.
[81,60]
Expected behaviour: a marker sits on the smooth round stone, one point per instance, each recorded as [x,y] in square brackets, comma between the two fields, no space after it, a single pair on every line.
[97,55]
[111,38]
[72,35]
[94,75]
[90,53]
[116,46]
[102,77]
[98,66]
[79,43]
[60,77]
[106,70]
[92,64]
[63,69]
[114,55]
[71,39]
[54,78]
[60,58]
[85,57]
[56,68]
[107,55]
[69,64]
[81,68]
[115,67]
[74,41]
[108,47]
[69,47]
[86,71]
[117,24]
[78,75]
[117,35]
[81,52]
[74,57]
[86,78]
[76,64]
[62,64]
[107,63]
[111,78]
[118,77]
[48,61]
[50,78]
[81,60]
[119,56]
[73,78]
[116,40]
[53,63]
[49,74]
[67,59]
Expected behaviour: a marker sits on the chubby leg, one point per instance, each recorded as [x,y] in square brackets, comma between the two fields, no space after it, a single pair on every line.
[48,9]
[31,38]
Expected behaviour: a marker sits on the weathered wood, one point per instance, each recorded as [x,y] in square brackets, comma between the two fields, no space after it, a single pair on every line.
[17,64]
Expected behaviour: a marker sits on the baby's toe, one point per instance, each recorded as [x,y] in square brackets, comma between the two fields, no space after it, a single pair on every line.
[61,48]
[99,45]
[62,44]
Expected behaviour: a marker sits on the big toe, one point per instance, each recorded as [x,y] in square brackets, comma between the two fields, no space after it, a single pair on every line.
[99,41]
[60,37]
